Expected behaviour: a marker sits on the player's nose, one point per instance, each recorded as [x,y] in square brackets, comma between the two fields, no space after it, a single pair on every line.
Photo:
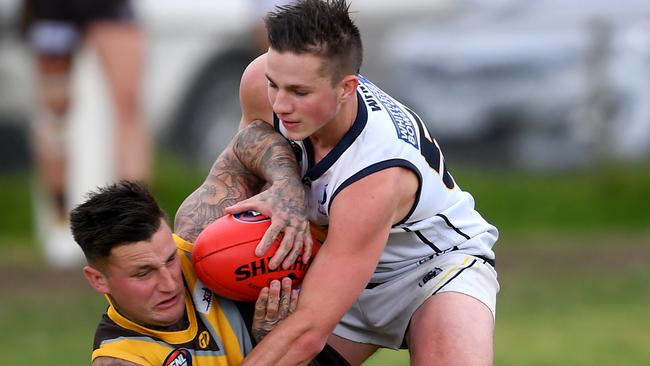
[167,280]
[282,103]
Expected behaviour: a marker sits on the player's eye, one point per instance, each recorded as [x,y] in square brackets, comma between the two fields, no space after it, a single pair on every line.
[142,274]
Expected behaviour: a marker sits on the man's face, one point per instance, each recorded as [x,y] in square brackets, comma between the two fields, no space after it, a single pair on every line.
[144,280]
[300,94]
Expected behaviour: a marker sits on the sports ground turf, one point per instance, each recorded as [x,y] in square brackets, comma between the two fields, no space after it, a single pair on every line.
[572,260]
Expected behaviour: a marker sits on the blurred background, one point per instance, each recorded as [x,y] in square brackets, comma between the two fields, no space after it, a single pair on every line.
[541,107]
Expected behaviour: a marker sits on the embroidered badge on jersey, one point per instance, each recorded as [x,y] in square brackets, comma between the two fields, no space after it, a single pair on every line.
[431,274]
[204,339]
[178,357]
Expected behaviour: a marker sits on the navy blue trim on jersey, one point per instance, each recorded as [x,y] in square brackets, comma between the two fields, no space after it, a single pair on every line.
[423,238]
[392,163]
[311,158]
[276,123]
[453,227]
[348,139]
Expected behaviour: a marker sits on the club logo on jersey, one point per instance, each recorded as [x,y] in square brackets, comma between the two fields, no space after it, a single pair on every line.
[431,274]
[322,202]
[204,339]
[250,217]
[178,357]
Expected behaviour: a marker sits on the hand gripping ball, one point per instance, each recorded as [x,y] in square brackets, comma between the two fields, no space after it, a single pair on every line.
[224,257]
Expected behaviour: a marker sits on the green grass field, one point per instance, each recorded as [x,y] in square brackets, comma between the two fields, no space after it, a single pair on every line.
[572,260]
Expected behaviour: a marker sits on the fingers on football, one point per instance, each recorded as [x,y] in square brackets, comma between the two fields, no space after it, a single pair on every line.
[272,307]
[295,250]
[269,237]
[308,244]
[260,305]
[294,301]
[245,205]
[283,249]
[251,204]
[285,298]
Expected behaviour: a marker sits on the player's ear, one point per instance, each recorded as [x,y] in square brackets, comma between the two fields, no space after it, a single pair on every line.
[96,279]
[348,85]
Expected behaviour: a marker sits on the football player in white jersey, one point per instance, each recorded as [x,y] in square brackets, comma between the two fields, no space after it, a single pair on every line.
[407,261]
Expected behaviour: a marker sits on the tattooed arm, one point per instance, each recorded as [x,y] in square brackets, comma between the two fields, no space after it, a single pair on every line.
[227,183]
[256,155]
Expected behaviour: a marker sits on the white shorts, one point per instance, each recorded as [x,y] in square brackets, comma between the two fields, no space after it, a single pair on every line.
[382,314]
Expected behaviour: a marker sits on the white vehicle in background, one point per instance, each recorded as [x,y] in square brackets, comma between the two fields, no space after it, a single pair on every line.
[544,84]
[199,49]
[508,80]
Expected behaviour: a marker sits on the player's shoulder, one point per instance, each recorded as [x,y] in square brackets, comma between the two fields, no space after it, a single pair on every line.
[253,92]
[256,67]
[254,77]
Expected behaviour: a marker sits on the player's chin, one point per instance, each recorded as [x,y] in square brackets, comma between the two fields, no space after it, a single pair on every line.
[297,133]
[296,136]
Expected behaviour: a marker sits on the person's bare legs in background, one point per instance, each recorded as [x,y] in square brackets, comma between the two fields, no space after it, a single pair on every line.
[48,132]
[120,47]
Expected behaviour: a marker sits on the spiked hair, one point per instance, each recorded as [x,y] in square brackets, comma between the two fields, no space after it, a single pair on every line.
[319,27]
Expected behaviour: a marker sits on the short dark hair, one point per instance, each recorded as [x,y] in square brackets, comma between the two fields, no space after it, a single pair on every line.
[319,27]
[117,214]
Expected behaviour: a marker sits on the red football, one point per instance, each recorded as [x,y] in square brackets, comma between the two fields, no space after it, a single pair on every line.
[224,257]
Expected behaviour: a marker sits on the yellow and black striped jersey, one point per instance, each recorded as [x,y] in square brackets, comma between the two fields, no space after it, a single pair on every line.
[216,334]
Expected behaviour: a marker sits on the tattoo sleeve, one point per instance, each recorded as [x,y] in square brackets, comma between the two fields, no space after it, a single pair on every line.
[256,155]
[266,153]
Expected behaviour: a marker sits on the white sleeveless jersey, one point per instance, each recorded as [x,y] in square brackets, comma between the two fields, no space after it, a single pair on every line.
[387,134]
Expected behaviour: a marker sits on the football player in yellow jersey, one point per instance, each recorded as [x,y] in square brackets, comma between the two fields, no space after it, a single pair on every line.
[159,313]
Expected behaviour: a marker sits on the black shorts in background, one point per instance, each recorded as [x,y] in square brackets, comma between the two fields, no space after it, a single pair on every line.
[76,12]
